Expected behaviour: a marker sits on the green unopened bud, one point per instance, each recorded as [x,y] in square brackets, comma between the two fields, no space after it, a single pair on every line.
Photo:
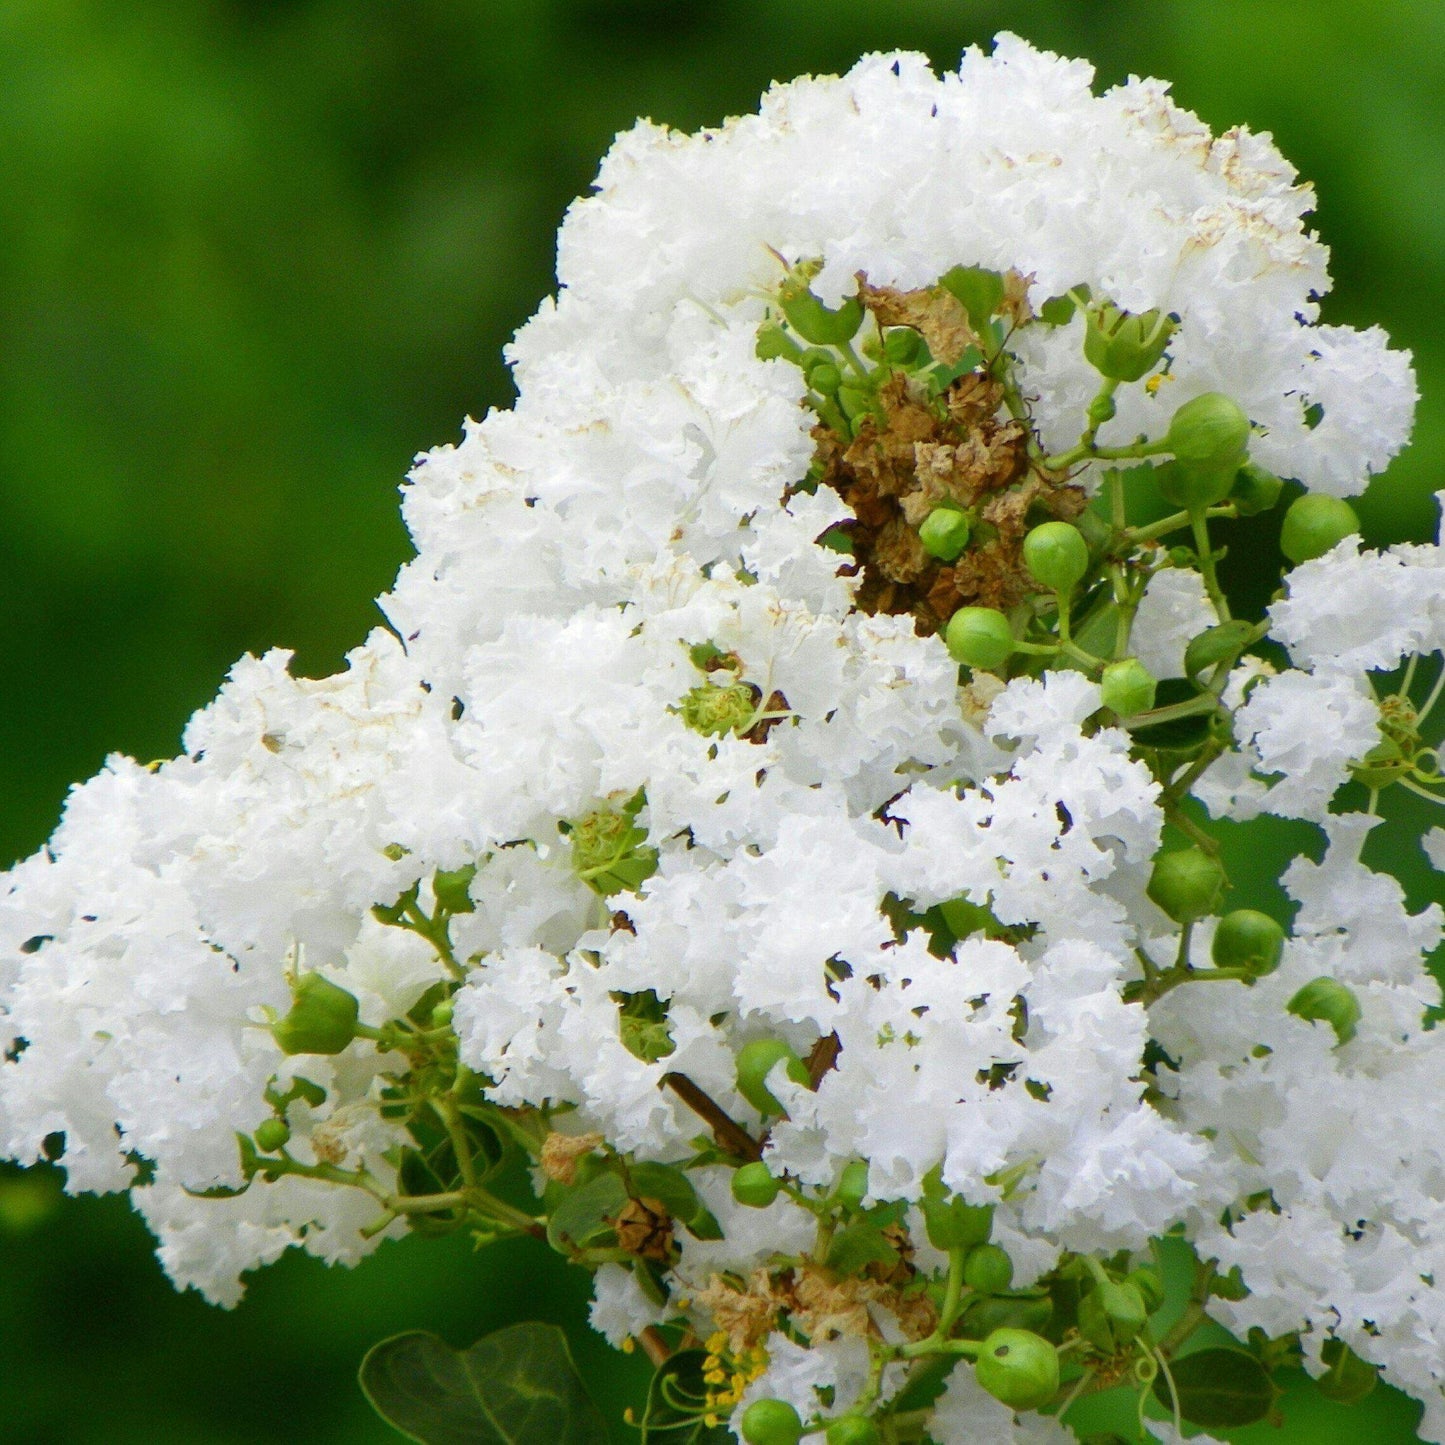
[825,377]
[988,1269]
[756,1061]
[1349,1378]
[1111,1315]
[754,1185]
[771,1422]
[1150,1285]
[322,1018]
[1255,490]
[452,888]
[1316,524]
[816,323]
[271,1135]
[1018,1368]
[952,1223]
[1249,940]
[901,346]
[1057,555]
[944,533]
[1124,345]
[1187,884]
[1209,437]
[716,711]
[980,637]
[852,1187]
[1327,1000]
[1127,687]
[441,1015]
[853,1430]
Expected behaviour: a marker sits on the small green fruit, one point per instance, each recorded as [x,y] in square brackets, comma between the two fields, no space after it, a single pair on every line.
[1127,687]
[1314,525]
[952,1223]
[825,377]
[853,1430]
[979,637]
[271,1135]
[1123,345]
[322,1018]
[988,1269]
[1018,1368]
[1209,436]
[900,346]
[1187,884]
[1111,1315]
[771,1422]
[1250,940]
[1057,555]
[852,1187]
[754,1186]
[1254,490]
[1329,1001]
[944,533]
[756,1061]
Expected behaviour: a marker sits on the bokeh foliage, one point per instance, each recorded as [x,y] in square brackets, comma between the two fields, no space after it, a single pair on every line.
[256,253]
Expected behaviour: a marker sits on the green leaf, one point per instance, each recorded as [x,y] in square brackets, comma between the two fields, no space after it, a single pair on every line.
[676,1401]
[1218,1388]
[581,1218]
[515,1387]
[981,292]
[667,1184]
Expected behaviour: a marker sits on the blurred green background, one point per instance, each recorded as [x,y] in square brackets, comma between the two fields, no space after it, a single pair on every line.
[254,254]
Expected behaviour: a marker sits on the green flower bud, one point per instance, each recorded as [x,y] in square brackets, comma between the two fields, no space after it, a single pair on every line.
[608,852]
[756,1061]
[452,888]
[754,1186]
[441,1015]
[853,1430]
[816,323]
[715,711]
[825,377]
[1018,1368]
[988,1269]
[1127,687]
[1057,555]
[1123,345]
[1255,490]
[901,345]
[944,533]
[771,1422]
[952,1223]
[1248,939]
[853,1184]
[1111,1315]
[979,637]
[1328,1000]
[271,1135]
[1210,435]
[1349,1378]
[1187,884]
[1147,1281]
[1314,525]
[322,1019]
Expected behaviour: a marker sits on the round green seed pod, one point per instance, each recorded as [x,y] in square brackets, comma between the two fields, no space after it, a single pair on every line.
[1327,1000]
[1210,434]
[979,637]
[988,1269]
[1248,939]
[1187,884]
[952,1223]
[1254,490]
[1314,525]
[271,1135]
[322,1018]
[1127,687]
[771,1422]
[1018,1368]
[754,1186]
[853,1430]
[825,377]
[756,1061]
[900,346]
[944,533]
[1057,555]
[853,1184]
[1111,1315]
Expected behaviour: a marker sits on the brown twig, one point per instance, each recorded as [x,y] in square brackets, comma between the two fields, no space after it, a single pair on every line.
[729,1134]
[654,1346]
[822,1057]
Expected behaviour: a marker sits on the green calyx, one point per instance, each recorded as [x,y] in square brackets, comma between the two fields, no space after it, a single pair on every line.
[1187,884]
[771,1422]
[271,1135]
[715,711]
[1057,555]
[945,533]
[1127,687]
[1209,437]
[1314,525]
[979,637]
[1327,1000]
[1111,1315]
[988,1269]
[322,1018]
[754,1186]
[756,1060]
[1248,939]
[1018,1368]
[817,324]
[1124,345]
[852,1187]
[609,852]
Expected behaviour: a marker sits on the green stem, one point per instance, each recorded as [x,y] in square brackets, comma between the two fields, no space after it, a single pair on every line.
[1175,522]
[1200,528]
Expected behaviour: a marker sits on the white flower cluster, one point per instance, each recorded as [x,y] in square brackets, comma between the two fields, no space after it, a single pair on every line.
[641,502]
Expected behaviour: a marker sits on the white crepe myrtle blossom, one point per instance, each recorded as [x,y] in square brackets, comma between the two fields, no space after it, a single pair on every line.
[771,814]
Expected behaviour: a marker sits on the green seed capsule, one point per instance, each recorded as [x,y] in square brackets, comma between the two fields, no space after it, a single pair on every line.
[853,1430]
[1187,884]
[1018,1368]
[944,533]
[1123,345]
[979,637]
[1057,555]
[825,378]
[1314,525]
[988,1269]
[756,1061]
[853,1184]
[771,1422]
[1328,1001]
[1248,939]
[1111,1315]
[1210,434]
[1127,687]
[1255,490]
[322,1018]
[271,1135]
[953,1223]
[900,346]
[754,1186]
